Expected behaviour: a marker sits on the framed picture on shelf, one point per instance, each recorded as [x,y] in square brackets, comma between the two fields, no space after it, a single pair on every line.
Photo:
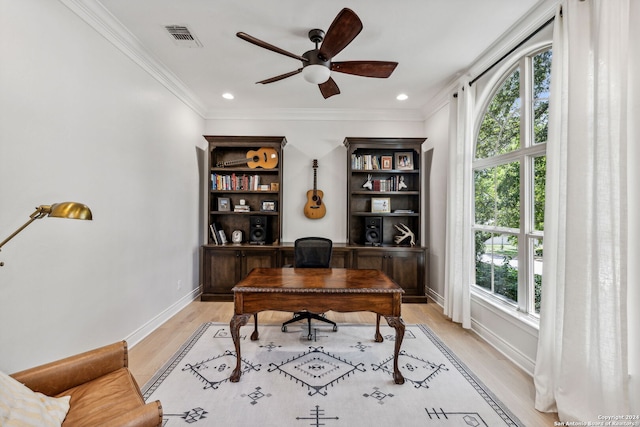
[268,206]
[386,162]
[404,161]
[380,205]
[224,204]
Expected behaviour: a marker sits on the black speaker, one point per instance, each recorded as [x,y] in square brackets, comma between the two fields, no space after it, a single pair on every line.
[258,230]
[373,230]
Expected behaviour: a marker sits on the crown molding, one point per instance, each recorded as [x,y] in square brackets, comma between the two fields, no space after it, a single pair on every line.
[101,20]
[317,114]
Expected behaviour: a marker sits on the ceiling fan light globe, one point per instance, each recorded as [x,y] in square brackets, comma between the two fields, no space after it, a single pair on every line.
[316,73]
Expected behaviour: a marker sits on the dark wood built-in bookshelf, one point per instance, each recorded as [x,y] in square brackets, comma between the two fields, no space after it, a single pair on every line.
[232,180]
[223,265]
[365,157]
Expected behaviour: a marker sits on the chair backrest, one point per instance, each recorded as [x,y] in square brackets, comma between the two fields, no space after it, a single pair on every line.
[312,252]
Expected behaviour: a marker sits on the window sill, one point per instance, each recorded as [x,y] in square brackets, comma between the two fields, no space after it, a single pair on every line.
[506,310]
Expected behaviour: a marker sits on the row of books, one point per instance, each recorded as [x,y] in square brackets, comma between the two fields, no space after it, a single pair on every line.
[366,162]
[235,182]
[393,183]
[218,236]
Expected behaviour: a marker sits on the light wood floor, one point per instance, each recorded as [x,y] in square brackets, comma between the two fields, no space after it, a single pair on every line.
[508,382]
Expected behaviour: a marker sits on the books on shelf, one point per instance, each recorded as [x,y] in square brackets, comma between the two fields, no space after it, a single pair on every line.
[235,182]
[241,208]
[218,236]
[365,162]
[393,183]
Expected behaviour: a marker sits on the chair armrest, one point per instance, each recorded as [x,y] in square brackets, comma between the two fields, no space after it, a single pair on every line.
[55,377]
[149,415]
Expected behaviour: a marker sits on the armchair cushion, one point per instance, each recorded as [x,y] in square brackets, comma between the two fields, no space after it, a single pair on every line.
[102,389]
[19,406]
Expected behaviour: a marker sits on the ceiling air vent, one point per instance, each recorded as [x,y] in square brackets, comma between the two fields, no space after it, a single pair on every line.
[181,36]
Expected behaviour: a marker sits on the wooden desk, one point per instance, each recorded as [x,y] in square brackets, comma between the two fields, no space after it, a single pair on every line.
[317,290]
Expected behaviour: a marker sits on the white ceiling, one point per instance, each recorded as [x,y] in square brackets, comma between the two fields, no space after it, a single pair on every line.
[432,40]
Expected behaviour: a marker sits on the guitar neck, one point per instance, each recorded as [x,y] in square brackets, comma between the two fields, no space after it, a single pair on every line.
[315,181]
[235,162]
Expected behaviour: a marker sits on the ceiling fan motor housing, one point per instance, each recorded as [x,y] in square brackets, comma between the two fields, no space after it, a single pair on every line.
[314,58]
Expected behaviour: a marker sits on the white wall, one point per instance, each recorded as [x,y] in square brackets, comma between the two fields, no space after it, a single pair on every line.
[437,127]
[80,121]
[309,139]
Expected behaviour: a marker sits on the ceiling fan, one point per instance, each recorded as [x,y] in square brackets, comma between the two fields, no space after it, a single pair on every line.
[316,63]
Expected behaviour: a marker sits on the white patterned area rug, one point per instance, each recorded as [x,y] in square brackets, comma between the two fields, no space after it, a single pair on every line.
[339,379]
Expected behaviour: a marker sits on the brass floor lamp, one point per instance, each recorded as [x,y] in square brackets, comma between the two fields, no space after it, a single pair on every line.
[71,210]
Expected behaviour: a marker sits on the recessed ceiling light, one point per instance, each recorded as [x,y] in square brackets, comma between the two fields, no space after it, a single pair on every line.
[227,95]
[402,97]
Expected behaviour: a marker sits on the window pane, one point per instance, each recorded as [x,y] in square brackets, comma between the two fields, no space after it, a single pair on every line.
[500,129]
[537,274]
[539,180]
[505,259]
[541,82]
[508,195]
[497,195]
[485,196]
[484,266]
[496,263]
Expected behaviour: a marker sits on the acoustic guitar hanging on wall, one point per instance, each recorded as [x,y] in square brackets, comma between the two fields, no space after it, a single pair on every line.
[266,158]
[315,209]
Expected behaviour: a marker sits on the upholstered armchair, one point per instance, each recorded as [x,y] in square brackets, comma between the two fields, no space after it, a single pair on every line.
[102,389]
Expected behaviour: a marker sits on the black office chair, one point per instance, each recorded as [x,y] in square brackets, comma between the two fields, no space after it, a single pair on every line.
[311,252]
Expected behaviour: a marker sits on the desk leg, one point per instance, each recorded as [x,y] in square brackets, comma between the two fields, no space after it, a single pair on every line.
[237,321]
[254,335]
[398,324]
[378,337]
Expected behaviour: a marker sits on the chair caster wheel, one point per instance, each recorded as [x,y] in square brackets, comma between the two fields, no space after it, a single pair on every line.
[310,337]
[335,328]
[284,329]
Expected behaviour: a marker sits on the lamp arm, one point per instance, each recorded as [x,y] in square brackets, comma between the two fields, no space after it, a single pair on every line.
[40,212]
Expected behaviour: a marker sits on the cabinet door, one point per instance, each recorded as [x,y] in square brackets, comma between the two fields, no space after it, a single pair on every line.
[251,259]
[407,270]
[220,271]
[370,259]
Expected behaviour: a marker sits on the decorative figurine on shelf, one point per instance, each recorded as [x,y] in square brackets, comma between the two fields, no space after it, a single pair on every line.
[405,234]
[402,185]
[368,185]
[236,236]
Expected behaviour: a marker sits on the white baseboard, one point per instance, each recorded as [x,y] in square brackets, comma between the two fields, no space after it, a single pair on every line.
[435,296]
[509,351]
[161,318]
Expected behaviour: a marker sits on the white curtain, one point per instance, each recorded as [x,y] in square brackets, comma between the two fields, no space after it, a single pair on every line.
[582,363]
[458,221]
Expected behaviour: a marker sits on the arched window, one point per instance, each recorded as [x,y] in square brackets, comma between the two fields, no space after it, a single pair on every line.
[509,185]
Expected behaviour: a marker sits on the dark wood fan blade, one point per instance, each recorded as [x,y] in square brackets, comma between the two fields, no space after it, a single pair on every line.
[344,28]
[329,88]
[265,45]
[280,77]
[379,69]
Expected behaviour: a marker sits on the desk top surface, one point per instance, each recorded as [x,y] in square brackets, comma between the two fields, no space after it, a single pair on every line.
[330,280]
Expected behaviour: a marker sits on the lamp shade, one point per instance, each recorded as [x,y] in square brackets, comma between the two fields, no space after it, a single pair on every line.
[316,73]
[71,210]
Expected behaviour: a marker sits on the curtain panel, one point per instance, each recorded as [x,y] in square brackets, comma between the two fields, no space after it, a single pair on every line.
[582,369]
[459,243]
